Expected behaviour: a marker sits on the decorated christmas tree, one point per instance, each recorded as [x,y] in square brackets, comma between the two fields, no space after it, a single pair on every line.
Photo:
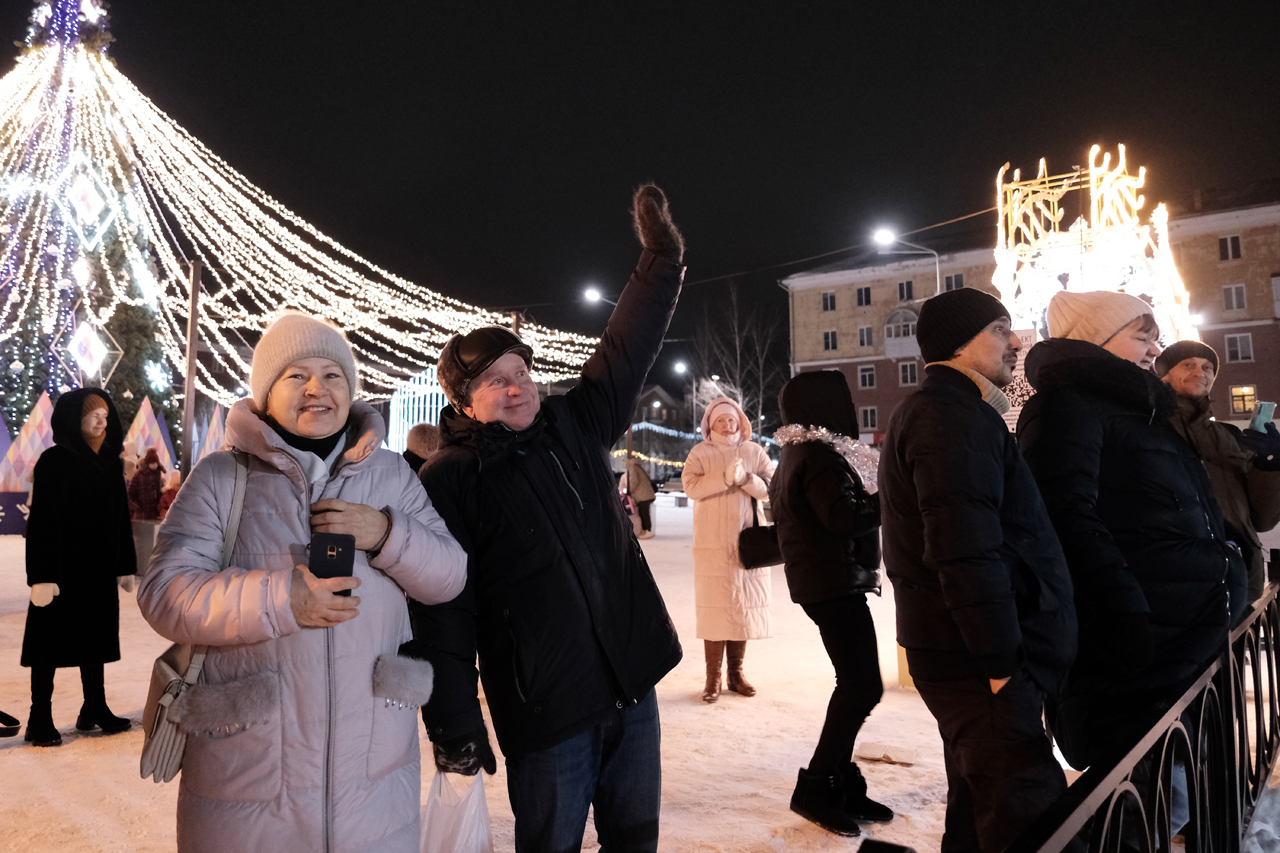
[105,201]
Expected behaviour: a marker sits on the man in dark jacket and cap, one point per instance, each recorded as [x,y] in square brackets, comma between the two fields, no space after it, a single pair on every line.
[983,593]
[1243,465]
[560,605]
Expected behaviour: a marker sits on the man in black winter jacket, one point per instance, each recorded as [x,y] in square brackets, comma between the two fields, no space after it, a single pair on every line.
[984,598]
[571,631]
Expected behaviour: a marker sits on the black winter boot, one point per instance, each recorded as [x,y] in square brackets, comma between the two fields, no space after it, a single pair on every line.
[715,655]
[40,728]
[856,802]
[737,650]
[821,799]
[94,712]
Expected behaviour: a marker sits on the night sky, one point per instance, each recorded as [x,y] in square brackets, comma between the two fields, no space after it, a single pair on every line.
[489,150]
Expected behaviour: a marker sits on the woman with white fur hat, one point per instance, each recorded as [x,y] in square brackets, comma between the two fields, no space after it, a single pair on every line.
[301,734]
[724,474]
[1135,513]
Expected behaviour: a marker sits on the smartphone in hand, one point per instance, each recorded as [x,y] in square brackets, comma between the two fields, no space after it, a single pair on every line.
[1262,414]
[333,555]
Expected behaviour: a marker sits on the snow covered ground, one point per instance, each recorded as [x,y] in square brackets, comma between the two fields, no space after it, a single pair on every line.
[728,768]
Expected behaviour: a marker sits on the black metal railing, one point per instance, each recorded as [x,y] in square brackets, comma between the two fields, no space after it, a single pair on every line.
[1223,733]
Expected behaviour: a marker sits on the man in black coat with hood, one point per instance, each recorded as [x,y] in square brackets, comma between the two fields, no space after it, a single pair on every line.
[984,598]
[571,631]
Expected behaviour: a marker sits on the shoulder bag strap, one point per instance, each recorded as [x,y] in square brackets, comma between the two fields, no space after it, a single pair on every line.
[755,516]
[228,542]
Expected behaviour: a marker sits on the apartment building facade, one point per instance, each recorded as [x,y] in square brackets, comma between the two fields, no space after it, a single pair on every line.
[859,316]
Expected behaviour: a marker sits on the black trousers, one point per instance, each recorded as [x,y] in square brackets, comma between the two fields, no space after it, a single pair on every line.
[1001,773]
[850,639]
[642,510]
[91,683]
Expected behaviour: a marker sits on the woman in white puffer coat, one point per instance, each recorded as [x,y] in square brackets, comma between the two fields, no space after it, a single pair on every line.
[301,732]
[722,474]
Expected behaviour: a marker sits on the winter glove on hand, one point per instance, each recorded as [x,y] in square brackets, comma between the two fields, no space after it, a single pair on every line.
[1265,447]
[735,474]
[466,754]
[653,223]
[1122,642]
[126,582]
[43,593]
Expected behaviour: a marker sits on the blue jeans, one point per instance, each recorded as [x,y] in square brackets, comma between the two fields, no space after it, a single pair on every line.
[615,766]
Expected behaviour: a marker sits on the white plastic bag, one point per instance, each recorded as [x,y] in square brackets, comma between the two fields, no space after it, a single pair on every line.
[456,824]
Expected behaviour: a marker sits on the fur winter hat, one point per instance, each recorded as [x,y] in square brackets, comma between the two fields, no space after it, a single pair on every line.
[424,440]
[293,337]
[1180,352]
[950,320]
[1094,316]
[725,406]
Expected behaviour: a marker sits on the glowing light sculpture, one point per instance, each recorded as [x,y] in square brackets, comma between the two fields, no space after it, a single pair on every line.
[103,198]
[1109,250]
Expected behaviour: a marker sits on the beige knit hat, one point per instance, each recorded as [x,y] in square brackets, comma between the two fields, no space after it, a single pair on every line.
[292,337]
[1094,316]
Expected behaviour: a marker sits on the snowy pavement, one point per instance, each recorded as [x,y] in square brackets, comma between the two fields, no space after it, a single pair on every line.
[728,768]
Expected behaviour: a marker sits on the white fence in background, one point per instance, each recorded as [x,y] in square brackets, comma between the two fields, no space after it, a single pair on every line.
[417,401]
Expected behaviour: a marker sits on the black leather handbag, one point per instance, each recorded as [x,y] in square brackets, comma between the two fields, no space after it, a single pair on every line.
[758,544]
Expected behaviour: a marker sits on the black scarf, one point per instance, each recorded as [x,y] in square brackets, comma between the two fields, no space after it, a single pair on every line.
[321,447]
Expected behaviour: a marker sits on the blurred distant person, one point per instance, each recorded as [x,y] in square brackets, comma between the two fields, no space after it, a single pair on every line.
[1243,465]
[79,546]
[636,484]
[146,487]
[423,442]
[172,484]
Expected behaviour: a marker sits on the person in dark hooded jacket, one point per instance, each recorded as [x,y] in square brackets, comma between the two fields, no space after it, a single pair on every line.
[146,487]
[828,529]
[1135,512]
[981,588]
[570,628]
[79,545]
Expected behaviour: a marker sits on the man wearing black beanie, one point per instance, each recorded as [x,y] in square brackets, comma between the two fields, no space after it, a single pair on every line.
[1243,465]
[984,598]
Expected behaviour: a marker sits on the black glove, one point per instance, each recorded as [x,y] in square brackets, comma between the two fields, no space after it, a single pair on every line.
[1265,447]
[466,754]
[654,227]
[1118,643]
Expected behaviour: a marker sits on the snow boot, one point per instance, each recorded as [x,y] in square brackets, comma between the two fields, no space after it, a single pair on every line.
[820,799]
[94,713]
[856,802]
[40,728]
[715,654]
[737,651]
[9,726]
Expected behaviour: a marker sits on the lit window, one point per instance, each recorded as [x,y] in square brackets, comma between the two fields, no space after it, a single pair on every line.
[1242,399]
[829,301]
[904,291]
[869,417]
[864,296]
[1229,248]
[907,373]
[1240,347]
[829,340]
[1233,297]
[867,376]
[864,336]
[955,282]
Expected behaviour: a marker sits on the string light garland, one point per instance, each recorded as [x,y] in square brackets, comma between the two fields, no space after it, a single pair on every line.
[103,198]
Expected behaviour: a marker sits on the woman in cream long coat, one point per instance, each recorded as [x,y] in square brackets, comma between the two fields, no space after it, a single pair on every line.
[722,474]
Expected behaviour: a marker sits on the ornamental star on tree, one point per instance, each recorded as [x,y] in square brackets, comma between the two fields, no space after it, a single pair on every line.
[104,200]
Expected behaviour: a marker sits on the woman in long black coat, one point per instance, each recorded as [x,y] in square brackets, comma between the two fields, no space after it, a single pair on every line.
[79,542]
[829,533]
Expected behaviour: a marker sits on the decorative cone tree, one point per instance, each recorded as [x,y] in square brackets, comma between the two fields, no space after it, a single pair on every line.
[103,202]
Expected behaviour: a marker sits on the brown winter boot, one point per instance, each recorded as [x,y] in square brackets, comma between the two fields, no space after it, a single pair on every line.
[738,684]
[715,653]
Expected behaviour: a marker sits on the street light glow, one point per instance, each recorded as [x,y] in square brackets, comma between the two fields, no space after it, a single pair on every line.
[884,237]
[592,294]
[681,367]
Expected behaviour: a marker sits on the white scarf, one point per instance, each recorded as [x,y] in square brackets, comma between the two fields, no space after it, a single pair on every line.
[864,460]
[733,439]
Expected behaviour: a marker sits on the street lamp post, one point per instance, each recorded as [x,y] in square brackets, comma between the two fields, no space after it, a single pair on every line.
[592,294]
[885,238]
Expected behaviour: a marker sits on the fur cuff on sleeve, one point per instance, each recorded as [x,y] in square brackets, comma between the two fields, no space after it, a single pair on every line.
[403,681]
[226,709]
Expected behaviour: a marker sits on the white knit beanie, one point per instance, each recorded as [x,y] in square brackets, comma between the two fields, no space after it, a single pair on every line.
[1094,316]
[292,337]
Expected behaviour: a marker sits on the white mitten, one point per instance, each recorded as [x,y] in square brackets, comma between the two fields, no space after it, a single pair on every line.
[126,582]
[43,593]
[735,474]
